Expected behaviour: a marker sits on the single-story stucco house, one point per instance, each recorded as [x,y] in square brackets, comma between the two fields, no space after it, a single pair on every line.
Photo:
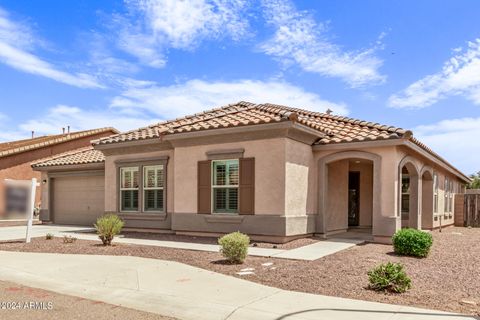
[273,172]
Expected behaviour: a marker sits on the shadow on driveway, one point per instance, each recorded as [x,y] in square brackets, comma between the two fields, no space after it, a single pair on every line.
[421,315]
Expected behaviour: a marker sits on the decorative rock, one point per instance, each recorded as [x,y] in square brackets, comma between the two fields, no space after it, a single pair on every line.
[468,302]
[245,273]
[247,269]
[267,264]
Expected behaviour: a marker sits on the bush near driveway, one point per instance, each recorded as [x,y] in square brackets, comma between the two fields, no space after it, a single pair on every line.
[234,246]
[389,277]
[412,242]
[69,239]
[108,226]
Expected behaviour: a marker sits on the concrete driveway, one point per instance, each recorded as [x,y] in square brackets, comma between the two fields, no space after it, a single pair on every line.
[185,292]
[18,232]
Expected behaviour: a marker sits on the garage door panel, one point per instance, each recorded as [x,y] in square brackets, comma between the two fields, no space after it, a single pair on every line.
[78,200]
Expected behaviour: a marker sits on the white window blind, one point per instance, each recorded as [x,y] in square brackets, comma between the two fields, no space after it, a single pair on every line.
[153,188]
[129,187]
[225,181]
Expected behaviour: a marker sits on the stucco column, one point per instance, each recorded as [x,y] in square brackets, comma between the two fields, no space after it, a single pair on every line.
[416,202]
[322,197]
[387,222]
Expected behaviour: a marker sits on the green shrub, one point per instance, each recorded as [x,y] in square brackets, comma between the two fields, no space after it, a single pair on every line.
[69,239]
[108,226]
[49,236]
[412,242]
[234,246]
[389,277]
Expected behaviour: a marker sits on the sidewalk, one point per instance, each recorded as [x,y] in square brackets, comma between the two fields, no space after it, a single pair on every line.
[185,292]
[310,252]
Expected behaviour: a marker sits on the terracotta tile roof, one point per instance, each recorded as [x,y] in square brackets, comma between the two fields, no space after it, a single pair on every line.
[79,156]
[331,128]
[15,147]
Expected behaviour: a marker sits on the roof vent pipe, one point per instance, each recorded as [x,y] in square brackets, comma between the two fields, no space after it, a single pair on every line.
[68,129]
[63,130]
[33,134]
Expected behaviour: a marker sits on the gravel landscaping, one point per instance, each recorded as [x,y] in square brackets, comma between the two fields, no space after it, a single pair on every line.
[448,279]
[207,240]
[51,305]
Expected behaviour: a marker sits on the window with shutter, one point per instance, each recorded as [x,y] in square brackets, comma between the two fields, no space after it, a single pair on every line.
[153,191]
[446,194]
[435,193]
[129,188]
[225,183]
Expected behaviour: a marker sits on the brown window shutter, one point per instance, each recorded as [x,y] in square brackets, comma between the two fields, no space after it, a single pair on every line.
[204,187]
[247,186]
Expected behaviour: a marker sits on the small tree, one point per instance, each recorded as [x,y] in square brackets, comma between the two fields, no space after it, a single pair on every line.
[108,226]
[475,184]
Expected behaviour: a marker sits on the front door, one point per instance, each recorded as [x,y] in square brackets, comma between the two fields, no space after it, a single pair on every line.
[353,198]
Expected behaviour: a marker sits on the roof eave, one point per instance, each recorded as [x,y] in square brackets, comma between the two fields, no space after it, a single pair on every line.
[70,167]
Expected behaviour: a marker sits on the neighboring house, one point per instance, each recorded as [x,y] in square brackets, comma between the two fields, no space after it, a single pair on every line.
[16,156]
[271,171]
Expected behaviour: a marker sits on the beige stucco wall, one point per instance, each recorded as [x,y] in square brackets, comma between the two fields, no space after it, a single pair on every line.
[427,204]
[337,204]
[300,179]
[269,157]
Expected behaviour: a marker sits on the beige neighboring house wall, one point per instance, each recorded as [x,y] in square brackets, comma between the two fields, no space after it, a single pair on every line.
[301,174]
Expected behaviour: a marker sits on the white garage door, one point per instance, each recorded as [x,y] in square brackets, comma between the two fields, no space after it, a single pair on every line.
[78,200]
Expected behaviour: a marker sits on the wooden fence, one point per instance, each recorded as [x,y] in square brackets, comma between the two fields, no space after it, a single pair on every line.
[467,210]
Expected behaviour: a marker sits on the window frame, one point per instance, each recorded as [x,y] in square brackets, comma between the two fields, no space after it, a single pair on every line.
[129,169]
[405,213]
[121,164]
[144,188]
[450,196]
[225,186]
[435,192]
[446,186]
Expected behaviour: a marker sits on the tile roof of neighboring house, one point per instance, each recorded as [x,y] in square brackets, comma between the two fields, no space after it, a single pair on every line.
[331,128]
[79,156]
[15,147]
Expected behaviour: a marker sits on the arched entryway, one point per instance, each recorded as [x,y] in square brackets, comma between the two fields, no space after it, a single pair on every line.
[409,194]
[349,192]
[427,198]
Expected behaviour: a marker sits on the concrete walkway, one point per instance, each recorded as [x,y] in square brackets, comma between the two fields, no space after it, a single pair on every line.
[185,292]
[310,252]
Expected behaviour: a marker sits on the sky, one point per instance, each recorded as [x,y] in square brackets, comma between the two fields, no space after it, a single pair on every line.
[88,64]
